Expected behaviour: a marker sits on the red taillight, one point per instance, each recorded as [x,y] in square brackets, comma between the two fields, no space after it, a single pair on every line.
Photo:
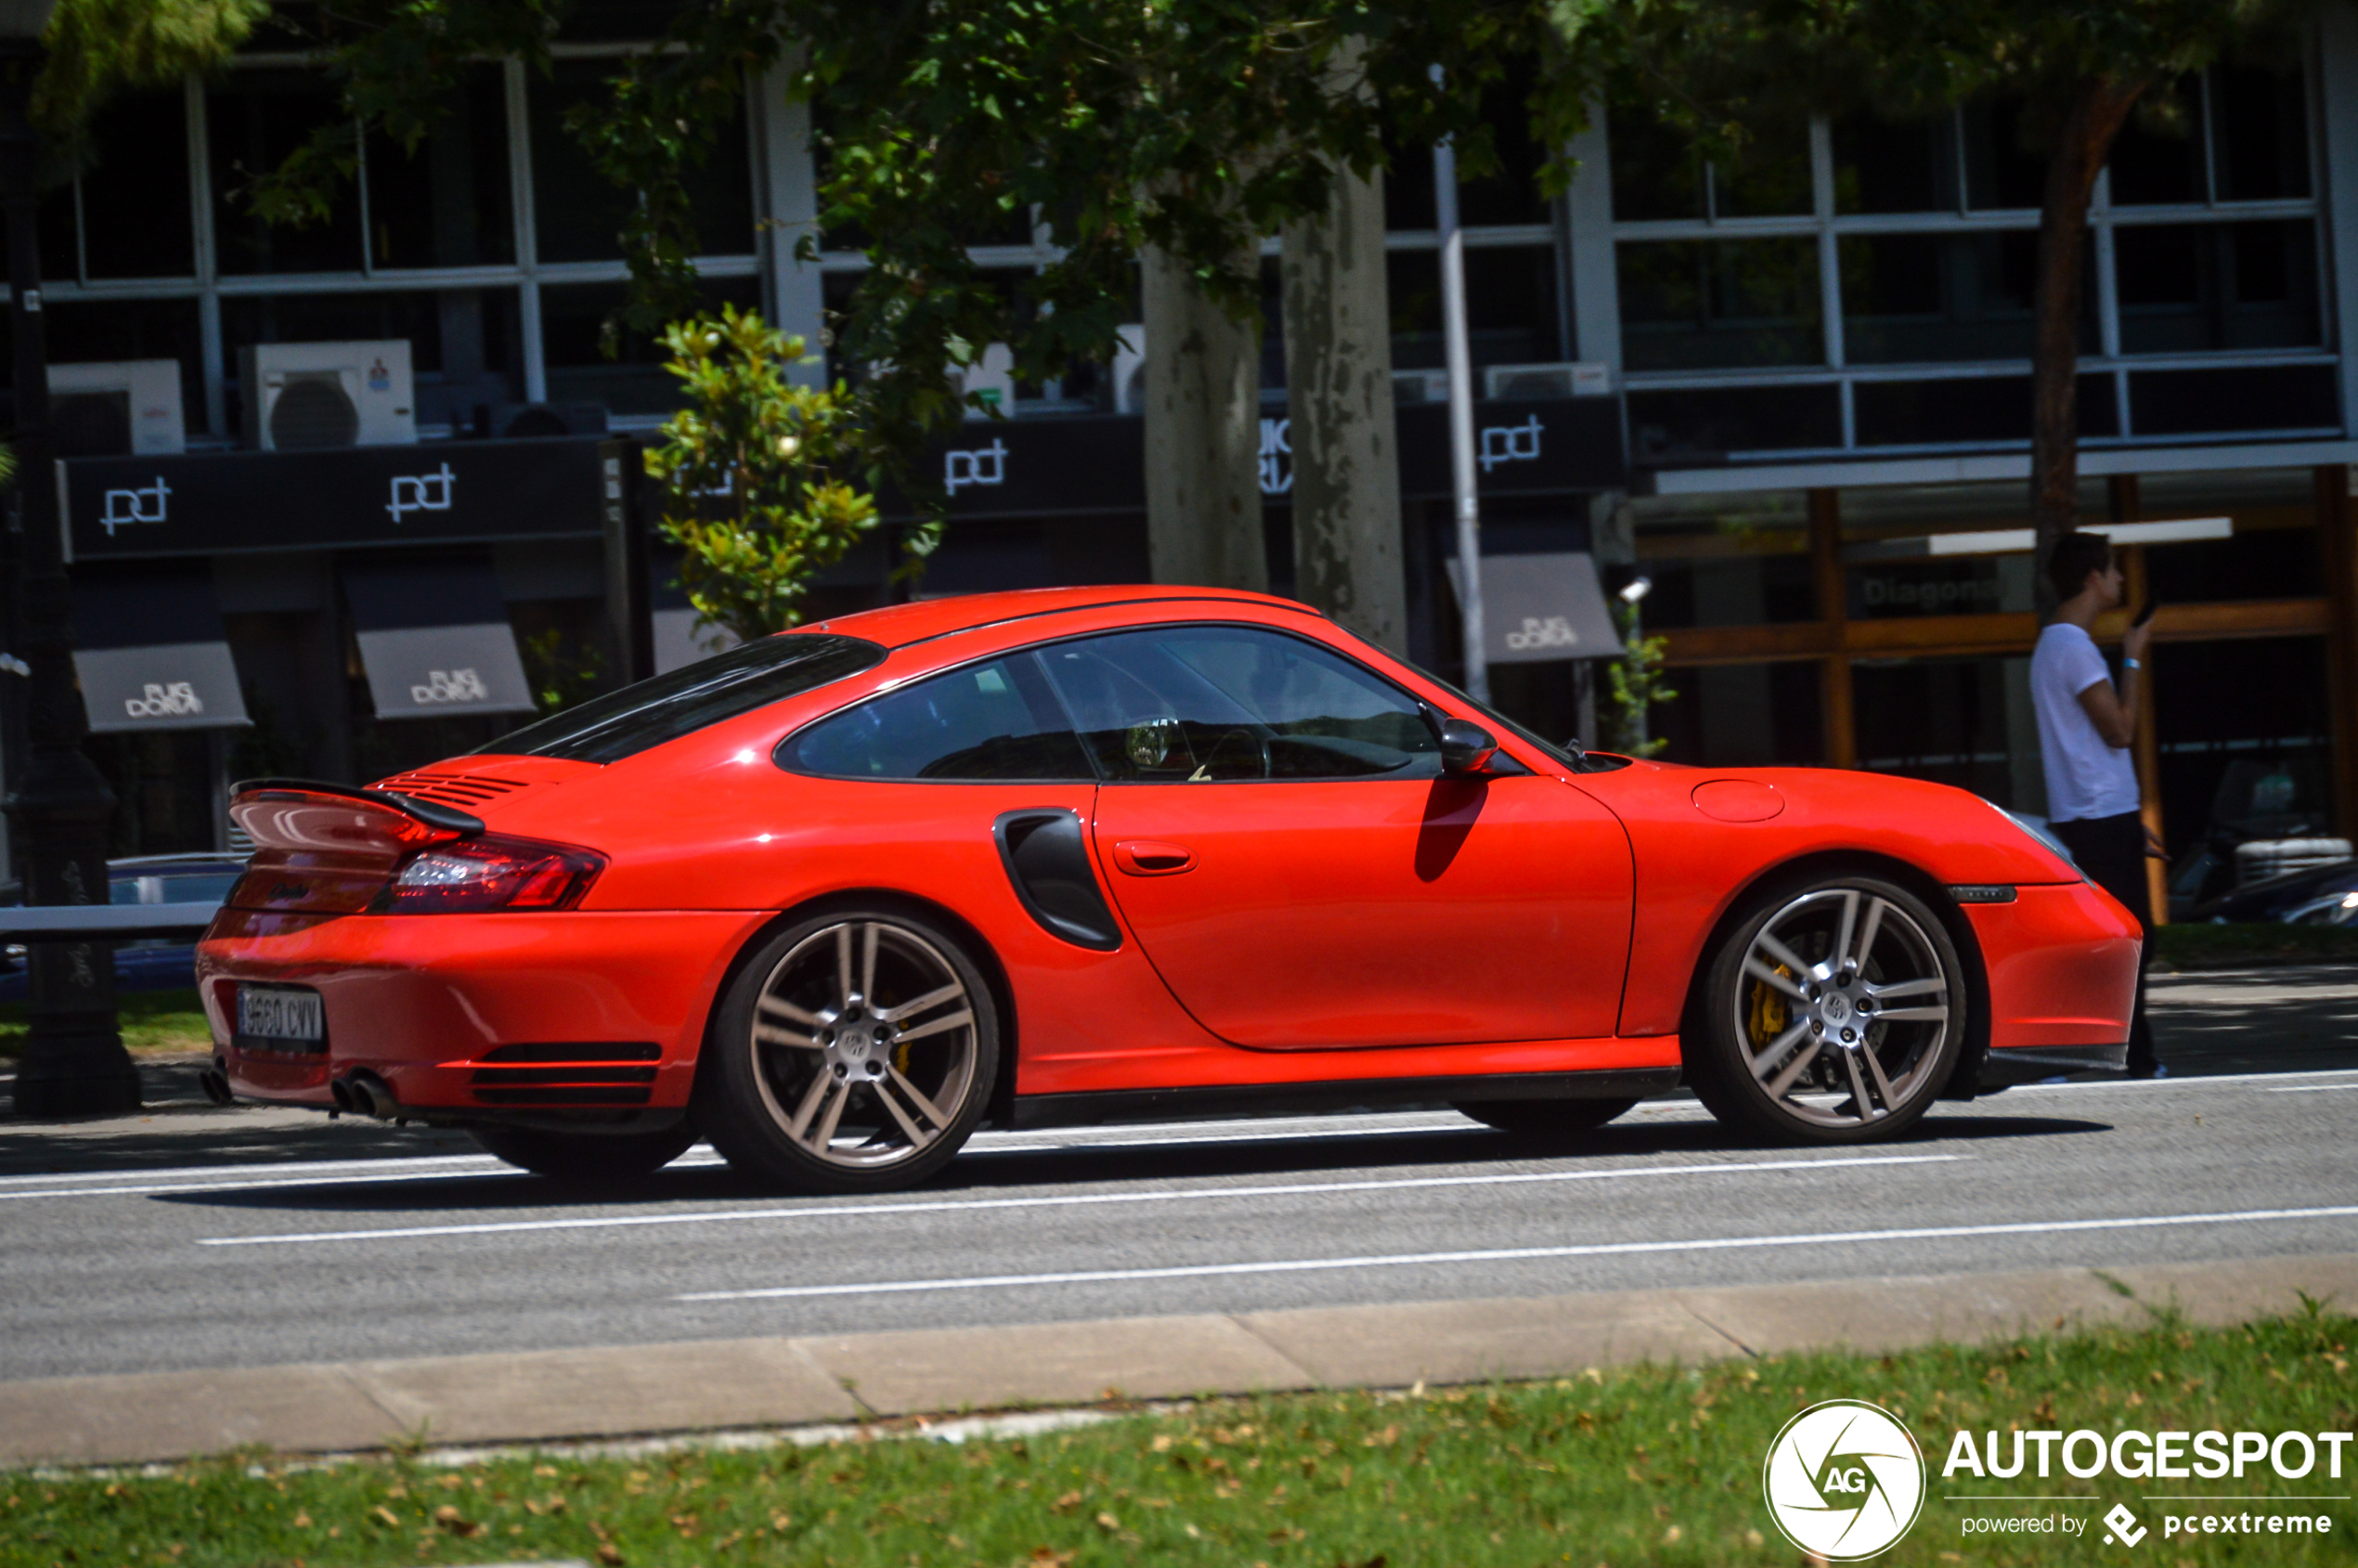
[477,876]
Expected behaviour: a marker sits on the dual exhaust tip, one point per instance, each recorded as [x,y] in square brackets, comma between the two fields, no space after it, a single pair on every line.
[359,1092]
[362,1093]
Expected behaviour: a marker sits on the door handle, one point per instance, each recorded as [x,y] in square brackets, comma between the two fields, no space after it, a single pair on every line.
[1144,857]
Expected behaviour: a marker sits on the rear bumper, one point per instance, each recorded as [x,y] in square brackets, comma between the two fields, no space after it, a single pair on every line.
[577,1013]
[2061,962]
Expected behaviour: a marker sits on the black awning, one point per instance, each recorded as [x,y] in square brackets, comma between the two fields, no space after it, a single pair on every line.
[434,638]
[151,653]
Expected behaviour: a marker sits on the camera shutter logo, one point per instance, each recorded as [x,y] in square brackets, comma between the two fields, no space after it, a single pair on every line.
[2122,1528]
[1843,1479]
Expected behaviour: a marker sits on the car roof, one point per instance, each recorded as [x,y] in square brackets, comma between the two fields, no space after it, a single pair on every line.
[897,625]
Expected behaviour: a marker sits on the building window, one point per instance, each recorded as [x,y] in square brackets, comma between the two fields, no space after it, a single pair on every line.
[445,203]
[1887,270]
[580,214]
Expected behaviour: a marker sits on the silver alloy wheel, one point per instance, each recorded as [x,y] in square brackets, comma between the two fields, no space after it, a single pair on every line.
[864,1045]
[1843,994]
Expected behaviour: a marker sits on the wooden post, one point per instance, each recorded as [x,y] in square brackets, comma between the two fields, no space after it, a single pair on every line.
[2126,505]
[2337,551]
[1833,672]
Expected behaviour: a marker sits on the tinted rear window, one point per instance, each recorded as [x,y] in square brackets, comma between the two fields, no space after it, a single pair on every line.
[754,675]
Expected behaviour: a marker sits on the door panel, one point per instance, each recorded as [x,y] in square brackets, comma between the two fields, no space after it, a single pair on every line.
[1376,912]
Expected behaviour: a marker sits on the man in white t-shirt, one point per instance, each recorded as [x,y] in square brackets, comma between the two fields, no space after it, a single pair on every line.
[2085,730]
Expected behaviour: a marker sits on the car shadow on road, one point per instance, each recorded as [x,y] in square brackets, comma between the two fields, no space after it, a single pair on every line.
[1082,1165]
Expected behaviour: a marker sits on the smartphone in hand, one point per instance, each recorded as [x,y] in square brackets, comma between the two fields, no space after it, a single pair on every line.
[2147,613]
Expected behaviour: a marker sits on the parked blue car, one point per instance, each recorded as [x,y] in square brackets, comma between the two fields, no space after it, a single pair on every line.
[156,963]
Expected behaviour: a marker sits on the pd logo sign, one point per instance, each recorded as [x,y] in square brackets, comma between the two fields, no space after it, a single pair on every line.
[1843,1479]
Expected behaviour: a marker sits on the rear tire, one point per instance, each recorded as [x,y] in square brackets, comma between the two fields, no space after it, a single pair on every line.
[1544,1119]
[855,1051]
[577,1157]
[1833,1013]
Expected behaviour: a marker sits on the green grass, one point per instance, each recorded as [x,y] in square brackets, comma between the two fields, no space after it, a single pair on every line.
[153,1021]
[2193,946]
[1647,1465]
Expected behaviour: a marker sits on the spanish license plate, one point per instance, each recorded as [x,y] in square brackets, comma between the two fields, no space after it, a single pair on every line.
[280,1017]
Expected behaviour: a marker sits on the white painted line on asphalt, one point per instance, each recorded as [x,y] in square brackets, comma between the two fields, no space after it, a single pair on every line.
[2191,1081]
[1079,1144]
[1066,1200]
[984,1142]
[1506,1254]
[167,1188]
[2313,1089]
[259,1167]
[331,1171]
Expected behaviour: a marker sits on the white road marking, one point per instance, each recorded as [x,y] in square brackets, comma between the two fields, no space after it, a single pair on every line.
[2192,1080]
[219,1178]
[1507,1254]
[2314,1088]
[333,1172]
[1066,1200]
[259,1167]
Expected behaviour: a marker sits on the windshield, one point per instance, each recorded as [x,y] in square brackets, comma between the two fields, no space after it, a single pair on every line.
[752,675]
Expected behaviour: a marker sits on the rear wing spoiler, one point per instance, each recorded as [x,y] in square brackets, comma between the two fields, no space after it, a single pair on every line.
[307,814]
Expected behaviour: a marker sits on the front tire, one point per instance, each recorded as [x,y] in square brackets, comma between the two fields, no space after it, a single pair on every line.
[1833,1013]
[1543,1118]
[854,1052]
[580,1156]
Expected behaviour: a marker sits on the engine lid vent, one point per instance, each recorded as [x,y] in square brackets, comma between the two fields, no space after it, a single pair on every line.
[451,789]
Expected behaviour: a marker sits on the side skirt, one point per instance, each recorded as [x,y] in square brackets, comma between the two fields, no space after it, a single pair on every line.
[1248,1099]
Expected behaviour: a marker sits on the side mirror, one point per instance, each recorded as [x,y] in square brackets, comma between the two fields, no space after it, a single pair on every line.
[1465,748]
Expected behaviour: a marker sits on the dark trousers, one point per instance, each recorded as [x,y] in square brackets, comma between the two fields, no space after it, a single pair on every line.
[2111,853]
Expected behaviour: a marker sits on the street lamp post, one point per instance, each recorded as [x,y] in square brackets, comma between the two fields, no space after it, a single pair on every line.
[1458,356]
[73,1062]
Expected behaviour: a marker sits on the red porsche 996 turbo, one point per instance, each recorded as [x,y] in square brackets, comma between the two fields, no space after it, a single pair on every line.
[835,897]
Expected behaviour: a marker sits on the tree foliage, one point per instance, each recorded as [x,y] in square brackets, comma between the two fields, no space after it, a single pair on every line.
[99,48]
[756,474]
[1635,685]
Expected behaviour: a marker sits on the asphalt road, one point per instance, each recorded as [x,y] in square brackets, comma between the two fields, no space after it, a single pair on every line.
[191,1239]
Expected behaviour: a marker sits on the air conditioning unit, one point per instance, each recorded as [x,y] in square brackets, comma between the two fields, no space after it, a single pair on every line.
[1420,386]
[1530,382]
[121,408]
[994,375]
[1130,369]
[311,394]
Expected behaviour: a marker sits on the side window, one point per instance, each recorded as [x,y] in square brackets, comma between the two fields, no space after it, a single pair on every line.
[986,722]
[1204,704]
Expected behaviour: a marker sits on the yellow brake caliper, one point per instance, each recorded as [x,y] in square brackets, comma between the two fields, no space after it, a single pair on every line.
[1769,1015]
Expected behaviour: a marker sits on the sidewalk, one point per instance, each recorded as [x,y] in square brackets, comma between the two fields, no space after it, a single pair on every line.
[553,1395]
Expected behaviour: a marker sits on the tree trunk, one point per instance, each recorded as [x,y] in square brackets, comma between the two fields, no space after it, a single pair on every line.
[1203,435]
[1346,452]
[2099,107]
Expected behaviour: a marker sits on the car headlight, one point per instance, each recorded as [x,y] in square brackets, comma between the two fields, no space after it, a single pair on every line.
[2037,830]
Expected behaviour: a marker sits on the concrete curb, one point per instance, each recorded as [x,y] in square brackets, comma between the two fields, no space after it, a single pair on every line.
[638,1390]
